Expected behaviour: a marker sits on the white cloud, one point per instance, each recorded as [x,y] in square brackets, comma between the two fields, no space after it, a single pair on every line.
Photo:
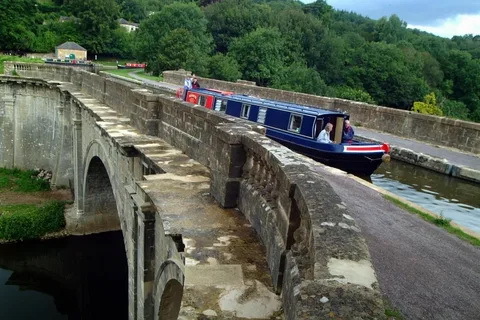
[458,25]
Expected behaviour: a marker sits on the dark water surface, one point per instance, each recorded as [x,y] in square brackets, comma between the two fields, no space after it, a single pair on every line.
[72,278]
[450,197]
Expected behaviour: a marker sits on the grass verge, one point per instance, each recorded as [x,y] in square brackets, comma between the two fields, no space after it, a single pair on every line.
[27,221]
[21,181]
[441,222]
[4,58]
[126,73]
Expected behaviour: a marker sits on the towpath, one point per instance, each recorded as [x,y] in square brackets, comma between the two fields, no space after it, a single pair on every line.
[425,272]
[453,156]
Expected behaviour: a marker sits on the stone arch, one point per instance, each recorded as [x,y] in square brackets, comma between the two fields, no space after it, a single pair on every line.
[169,290]
[98,194]
[101,208]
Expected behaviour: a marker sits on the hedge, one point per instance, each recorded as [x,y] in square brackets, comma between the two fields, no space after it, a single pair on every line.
[25,221]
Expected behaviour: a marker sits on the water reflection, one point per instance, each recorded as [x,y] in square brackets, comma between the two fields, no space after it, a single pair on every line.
[453,198]
[71,278]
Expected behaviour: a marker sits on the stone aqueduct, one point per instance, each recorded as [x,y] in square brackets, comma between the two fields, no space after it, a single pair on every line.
[116,144]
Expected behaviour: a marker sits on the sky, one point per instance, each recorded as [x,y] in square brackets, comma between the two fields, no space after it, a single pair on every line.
[445,18]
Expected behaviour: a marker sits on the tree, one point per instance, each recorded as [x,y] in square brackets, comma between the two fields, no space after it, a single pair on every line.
[223,67]
[17,24]
[230,19]
[301,33]
[455,109]
[180,50]
[300,78]
[156,39]
[428,106]
[52,34]
[132,10]
[348,93]
[386,74]
[391,30]
[97,22]
[320,9]
[260,54]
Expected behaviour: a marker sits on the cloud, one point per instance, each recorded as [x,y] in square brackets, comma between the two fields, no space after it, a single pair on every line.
[418,12]
[460,24]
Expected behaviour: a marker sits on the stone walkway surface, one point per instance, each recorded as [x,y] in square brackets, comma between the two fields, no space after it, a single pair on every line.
[424,272]
[453,156]
[226,274]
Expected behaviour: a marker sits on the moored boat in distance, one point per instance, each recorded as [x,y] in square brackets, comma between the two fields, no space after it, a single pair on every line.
[296,127]
[129,65]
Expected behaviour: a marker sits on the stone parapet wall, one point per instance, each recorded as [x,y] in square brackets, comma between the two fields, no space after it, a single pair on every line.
[459,134]
[44,70]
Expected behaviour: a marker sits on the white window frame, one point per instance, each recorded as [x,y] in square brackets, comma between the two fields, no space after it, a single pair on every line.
[292,121]
[246,107]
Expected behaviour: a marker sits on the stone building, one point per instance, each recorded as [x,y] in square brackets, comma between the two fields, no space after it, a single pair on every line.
[70,50]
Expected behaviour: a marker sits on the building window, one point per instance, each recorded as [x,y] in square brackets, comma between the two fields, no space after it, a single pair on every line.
[295,123]
[262,113]
[245,111]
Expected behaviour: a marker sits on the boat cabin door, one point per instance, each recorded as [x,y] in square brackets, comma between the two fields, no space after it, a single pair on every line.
[339,130]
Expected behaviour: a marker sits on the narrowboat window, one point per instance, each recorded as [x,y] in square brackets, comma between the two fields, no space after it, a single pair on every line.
[295,123]
[245,111]
[223,106]
[202,100]
[262,113]
[220,105]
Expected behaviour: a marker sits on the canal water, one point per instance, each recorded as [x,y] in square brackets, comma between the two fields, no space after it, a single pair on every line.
[452,198]
[71,278]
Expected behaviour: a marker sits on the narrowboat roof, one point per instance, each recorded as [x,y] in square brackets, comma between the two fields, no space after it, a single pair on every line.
[285,105]
[271,103]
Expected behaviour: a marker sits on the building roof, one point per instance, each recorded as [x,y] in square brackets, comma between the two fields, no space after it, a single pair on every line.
[71,46]
[123,21]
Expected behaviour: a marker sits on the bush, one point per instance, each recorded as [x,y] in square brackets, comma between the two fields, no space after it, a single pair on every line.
[353,94]
[428,106]
[24,221]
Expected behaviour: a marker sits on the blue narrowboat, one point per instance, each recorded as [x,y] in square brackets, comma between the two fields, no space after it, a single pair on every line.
[297,127]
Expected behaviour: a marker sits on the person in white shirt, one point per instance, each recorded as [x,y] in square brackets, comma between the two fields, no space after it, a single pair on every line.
[324,135]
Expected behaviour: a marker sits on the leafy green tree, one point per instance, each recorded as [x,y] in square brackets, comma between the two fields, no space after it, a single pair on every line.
[455,109]
[320,9]
[428,106]
[121,44]
[179,50]
[132,10]
[260,54]
[52,34]
[391,30]
[176,37]
[17,24]
[223,67]
[300,78]
[97,22]
[464,72]
[348,93]
[301,33]
[230,19]
[386,74]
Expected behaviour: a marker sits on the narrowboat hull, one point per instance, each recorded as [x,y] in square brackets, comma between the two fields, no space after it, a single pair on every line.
[355,163]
